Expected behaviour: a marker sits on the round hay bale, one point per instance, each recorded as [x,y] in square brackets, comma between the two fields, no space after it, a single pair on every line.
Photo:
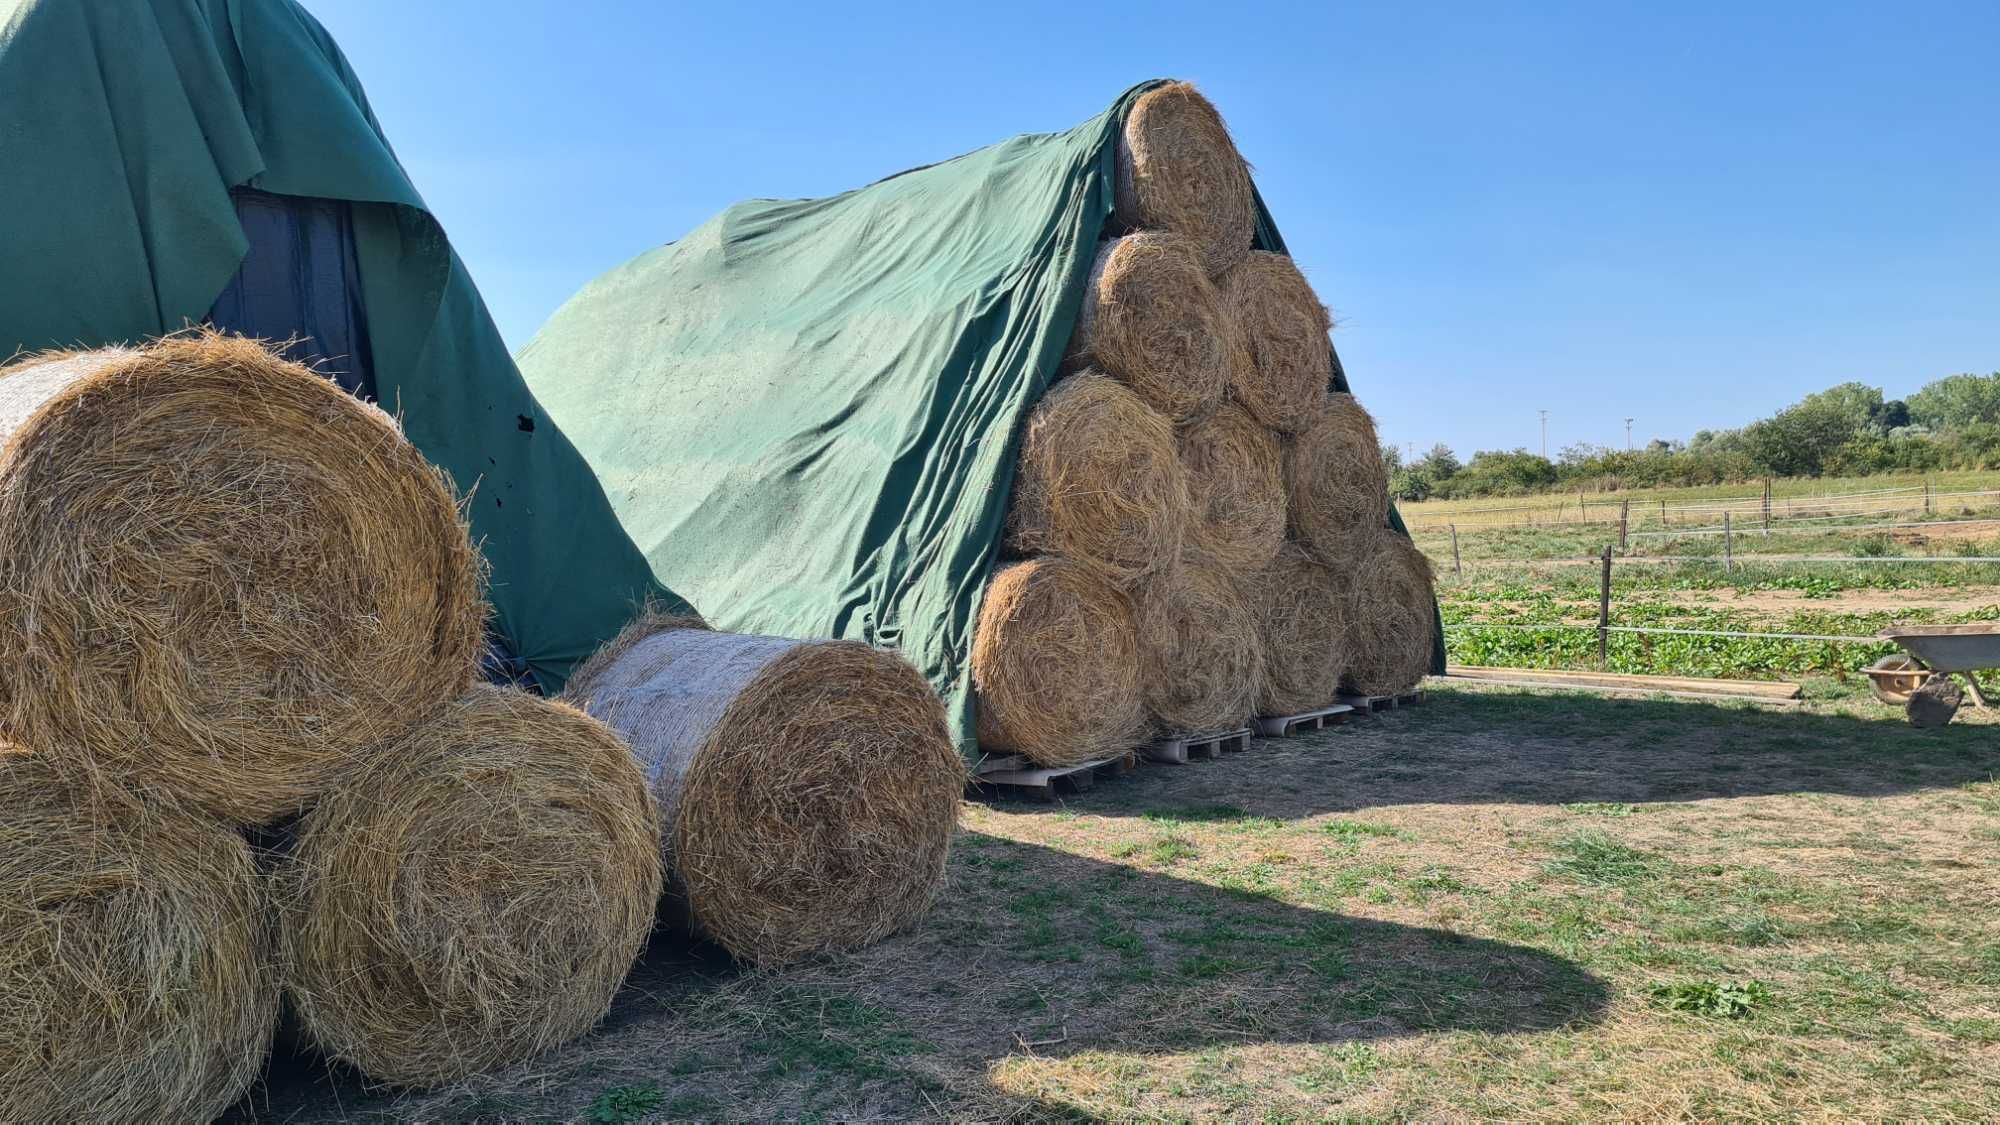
[1152,320]
[1301,610]
[1099,481]
[1236,489]
[220,576]
[1055,662]
[136,979]
[1179,171]
[808,790]
[1392,616]
[1200,662]
[1338,486]
[472,893]
[1284,332]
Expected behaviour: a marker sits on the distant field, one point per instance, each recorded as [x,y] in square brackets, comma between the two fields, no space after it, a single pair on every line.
[1605,505]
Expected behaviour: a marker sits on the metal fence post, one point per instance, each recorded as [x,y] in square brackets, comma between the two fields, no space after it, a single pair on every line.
[1604,612]
[1457,567]
[1767,507]
[1624,523]
[1728,545]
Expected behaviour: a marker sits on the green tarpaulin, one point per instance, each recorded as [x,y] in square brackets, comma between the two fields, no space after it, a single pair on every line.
[123,126]
[805,412]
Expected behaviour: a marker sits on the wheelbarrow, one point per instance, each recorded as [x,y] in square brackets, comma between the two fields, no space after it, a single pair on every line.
[1921,682]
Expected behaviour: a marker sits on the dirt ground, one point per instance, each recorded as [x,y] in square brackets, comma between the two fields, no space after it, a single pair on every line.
[1501,904]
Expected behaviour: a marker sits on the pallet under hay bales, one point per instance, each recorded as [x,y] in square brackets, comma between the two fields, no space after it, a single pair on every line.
[1017,776]
[1178,170]
[136,979]
[1285,726]
[471,894]
[220,576]
[808,791]
[1100,480]
[1181,748]
[1152,320]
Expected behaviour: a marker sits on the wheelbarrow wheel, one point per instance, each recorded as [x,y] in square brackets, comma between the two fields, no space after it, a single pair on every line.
[1933,704]
[1894,679]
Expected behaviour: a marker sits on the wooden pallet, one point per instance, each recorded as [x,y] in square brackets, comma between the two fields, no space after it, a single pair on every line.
[1178,749]
[1284,726]
[1369,704]
[1015,774]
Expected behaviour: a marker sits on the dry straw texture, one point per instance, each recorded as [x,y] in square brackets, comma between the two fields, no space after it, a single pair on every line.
[473,894]
[135,969]
[808,790]
[1200,662]
[1055,662]
[1338,486]
[220,576]
[1394,617]
[1284,330]
[1152,320]
[1179,171]
[1301,610]
[1236,489]
[1099,481]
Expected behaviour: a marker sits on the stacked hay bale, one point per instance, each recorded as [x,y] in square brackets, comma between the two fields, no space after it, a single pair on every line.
[231,594]
[807,791]
[1203,525]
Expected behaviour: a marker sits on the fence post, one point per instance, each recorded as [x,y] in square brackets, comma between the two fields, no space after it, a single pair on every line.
[1927,496]
[1728,545]
[1624,523]
[1604,612]
[1767,507]
[1457,567]
[1663,511]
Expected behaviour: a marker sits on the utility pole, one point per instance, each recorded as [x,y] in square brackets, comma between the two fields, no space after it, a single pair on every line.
[1545,434]
[1628,435]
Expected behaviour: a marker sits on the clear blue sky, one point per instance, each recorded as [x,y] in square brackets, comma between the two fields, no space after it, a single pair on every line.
[1686,213]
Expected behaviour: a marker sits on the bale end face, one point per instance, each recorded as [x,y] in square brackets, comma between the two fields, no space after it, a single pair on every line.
[1338,485]
[135,962]
[1152,320]
[1100,481]
[1200,660]
[1392,612]
[1302,612]
[1055,663]
[1178,170]
[1288,359]
[1235,471]
[297,585]
[473,893]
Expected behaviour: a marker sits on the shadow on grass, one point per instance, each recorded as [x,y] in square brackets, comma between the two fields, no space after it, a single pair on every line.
[1032,952]
[1517,747]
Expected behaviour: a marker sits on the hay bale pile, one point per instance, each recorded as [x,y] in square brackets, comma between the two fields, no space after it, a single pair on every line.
[1202,526]
[807,790]
[231,596]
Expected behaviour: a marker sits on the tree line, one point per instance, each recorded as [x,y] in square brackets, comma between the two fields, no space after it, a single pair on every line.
[1847,430]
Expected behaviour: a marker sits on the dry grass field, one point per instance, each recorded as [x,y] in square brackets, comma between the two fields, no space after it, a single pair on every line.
[1500,904]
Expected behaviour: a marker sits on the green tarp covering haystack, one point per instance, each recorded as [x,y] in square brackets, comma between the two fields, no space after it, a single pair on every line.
[807,413]
[143,140]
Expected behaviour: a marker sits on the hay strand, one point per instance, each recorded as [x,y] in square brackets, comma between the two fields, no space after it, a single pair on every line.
[220,576]
[1055,662]
[473,893]
[1393,616]
[1284,332]
[1178,170]
[136,979]
[808,790]
[1236,489]
[1301,608]
[1338,485]
[1152,320]
[1099,481]
[1200,662]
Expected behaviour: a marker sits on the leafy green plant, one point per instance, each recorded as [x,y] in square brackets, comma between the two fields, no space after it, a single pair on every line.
[621,1105]
[1718,999]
